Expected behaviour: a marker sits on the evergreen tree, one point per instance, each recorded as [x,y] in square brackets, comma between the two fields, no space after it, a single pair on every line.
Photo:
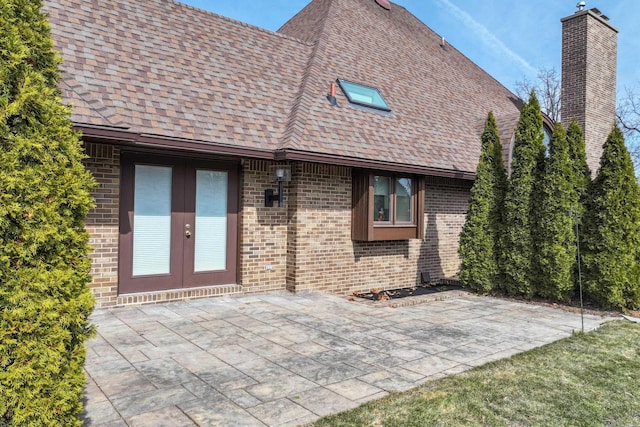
[578,156]
[521,201]
[581,175]
[478,249]
[611,230]
[555,245]
[44,298]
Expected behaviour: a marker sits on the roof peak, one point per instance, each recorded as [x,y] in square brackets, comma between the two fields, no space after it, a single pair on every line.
[385,4]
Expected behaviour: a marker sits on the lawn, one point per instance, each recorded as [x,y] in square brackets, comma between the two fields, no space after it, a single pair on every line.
[588,379]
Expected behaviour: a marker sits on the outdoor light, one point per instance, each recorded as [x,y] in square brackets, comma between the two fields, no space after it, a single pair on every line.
[282,173]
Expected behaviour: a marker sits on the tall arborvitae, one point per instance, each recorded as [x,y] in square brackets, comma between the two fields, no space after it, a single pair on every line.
[521,202]
[581,177]
[44,198]
[479,269]
[611,230]
[555,245]
[578,156]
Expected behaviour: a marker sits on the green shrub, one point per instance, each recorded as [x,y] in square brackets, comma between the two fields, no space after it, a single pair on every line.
[44,266]
[611,230]
[478,240]
[555,244]
[578,156]
[521,201]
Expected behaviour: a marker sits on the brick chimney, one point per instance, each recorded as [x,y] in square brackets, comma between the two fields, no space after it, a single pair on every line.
[589,60]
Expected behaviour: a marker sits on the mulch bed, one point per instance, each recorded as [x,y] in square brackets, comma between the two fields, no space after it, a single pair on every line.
[429,289]
[376,295]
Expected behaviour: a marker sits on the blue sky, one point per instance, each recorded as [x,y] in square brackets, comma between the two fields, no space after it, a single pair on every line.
[510,39]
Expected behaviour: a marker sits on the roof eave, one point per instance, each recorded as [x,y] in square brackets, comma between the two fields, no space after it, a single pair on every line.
[282,155]
[126,138]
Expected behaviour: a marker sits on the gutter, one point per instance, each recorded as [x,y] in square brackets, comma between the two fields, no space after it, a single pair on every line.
[282,155]
[125,138]
[121,136]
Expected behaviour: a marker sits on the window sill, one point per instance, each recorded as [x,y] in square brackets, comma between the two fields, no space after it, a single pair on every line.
[395,232]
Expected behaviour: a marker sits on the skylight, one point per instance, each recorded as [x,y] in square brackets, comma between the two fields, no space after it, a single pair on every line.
[363,95]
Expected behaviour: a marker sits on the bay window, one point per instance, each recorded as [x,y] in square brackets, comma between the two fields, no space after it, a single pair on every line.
[387,206]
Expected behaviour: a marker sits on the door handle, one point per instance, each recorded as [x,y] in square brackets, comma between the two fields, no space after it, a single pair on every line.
[187,233]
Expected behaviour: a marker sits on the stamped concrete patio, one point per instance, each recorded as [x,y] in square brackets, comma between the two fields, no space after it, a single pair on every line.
[284,359]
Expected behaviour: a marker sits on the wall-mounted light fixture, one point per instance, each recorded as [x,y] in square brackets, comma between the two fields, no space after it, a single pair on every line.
[281,173]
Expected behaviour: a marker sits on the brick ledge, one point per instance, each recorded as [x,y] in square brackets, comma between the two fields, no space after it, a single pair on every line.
[176,295]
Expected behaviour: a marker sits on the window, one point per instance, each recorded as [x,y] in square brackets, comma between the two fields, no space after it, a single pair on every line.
[381,199]
[363,95]
[547,136]
[387,207]
[403,195]
[392,200]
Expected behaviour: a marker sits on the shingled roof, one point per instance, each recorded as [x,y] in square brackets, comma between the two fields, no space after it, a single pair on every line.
[159,72]
[162,68]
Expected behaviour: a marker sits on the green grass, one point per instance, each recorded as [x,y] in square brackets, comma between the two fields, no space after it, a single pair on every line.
[588,379]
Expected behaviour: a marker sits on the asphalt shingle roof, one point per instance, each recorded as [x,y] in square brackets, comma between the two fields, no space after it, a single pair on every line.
[159,67]
[165,68]
[439,98]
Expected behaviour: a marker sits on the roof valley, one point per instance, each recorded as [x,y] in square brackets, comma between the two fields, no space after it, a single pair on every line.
[302,103]
[83,96]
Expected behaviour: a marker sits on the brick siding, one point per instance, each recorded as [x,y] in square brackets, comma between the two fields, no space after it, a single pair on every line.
[263,231]
[446,206]
[102,222]
[323,257]
[303,245]
[320,251]
[589,54]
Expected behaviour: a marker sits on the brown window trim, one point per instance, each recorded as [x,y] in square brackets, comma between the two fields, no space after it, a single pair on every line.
[363,226]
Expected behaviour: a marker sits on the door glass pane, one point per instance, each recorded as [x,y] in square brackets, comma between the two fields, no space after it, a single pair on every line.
[211,221]
[403,200]
[152,220]
[381,197]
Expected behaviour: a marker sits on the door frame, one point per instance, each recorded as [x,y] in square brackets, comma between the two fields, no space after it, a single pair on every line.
[177,278]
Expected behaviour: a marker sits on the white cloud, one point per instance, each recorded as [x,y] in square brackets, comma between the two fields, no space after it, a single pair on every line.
[487,37]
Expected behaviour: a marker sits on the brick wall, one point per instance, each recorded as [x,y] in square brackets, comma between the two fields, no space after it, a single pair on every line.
[589,57]
[102,222]
[319,248]
[446,206]
[263,231]
[304,245]
[323,257]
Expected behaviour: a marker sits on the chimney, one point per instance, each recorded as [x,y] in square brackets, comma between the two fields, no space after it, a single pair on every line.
[589,58]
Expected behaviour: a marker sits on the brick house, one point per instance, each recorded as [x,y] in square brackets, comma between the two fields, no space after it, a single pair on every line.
[335,154]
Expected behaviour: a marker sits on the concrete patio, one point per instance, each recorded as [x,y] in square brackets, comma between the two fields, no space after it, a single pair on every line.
[283,359]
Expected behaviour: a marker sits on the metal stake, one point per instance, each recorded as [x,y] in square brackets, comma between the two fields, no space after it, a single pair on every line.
[573,210]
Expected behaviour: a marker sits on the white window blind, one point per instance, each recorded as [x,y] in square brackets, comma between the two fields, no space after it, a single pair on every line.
[152,220]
